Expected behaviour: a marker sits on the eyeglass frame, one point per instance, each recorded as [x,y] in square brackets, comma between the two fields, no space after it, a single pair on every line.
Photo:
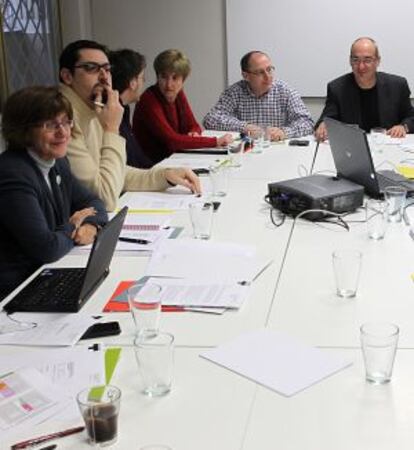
[366,60]
[93,67]
[270,70]
[51,126]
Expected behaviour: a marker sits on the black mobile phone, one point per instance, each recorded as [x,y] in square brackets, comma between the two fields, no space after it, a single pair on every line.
[299,142]
[101,330]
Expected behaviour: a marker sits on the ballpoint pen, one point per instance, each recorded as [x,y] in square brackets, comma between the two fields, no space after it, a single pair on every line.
[134,240]
[39,440]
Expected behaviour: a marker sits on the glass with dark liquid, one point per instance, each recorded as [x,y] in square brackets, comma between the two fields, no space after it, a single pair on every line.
[99,407]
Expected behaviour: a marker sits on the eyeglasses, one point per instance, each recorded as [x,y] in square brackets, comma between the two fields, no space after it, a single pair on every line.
[368,60]
[261,73]
[54,125]
[93,67]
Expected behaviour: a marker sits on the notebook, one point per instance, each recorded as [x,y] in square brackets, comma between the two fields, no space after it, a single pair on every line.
[353,160]
[68,289]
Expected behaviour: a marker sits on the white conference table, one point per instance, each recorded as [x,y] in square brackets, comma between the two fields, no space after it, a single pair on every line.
[385,287]
[212,408]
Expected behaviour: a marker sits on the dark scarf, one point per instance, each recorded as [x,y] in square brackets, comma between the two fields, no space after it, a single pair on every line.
[183,127]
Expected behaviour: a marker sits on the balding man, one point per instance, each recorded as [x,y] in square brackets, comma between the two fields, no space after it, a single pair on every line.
[367,97]
[259,99]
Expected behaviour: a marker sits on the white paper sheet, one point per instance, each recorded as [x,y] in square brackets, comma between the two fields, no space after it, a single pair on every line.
[64,331]
[191,162]
[205,260]
[159,201]
[26,399]
[277,361]
[71,369]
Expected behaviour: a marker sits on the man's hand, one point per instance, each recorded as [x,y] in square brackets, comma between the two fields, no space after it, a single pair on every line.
[276,134]
[252,130]
[224,140]
[321,133]
[109,113]
[397,131]
[85,234]
[184,177]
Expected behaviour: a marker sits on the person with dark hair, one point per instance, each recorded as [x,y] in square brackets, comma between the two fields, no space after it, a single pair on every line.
[128,79]
[258,100]
[366,97]
[97,151]
[45,210]
[163,120]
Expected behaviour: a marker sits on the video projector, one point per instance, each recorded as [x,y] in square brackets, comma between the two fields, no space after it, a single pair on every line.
[315,192]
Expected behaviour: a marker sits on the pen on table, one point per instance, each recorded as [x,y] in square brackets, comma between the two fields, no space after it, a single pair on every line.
[134,240]
[49,447]
[172,308]
[47,437]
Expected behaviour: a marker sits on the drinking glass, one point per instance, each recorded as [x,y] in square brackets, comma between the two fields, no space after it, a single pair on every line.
[145,304]
[99,407]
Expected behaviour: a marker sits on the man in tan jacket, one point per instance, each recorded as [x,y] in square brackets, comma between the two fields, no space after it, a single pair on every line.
[97,152]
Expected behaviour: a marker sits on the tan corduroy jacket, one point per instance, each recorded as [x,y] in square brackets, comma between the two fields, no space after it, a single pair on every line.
[98,158]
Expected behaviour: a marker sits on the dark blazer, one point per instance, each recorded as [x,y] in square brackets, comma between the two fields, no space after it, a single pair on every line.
[34,227]
[394,105]
[135,155]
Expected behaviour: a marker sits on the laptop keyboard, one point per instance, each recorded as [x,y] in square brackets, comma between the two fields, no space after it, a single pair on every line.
[53,290]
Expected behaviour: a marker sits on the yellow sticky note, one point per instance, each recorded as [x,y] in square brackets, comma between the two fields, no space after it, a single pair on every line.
[406,171]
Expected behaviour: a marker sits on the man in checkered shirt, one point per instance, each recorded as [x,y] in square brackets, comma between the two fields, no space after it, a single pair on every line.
[260,101]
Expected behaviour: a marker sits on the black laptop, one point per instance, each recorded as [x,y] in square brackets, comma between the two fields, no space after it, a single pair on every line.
[353,160]
[68,289]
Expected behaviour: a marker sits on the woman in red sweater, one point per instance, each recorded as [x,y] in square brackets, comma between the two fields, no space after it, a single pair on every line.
[163,121]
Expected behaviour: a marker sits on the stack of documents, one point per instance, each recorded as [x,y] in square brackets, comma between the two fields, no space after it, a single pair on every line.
[204,274]
[199,294]
[142,231]
[35,386]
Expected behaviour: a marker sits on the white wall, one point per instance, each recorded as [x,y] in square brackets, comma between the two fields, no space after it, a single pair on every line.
[195,26]
[150,26]
[76,20]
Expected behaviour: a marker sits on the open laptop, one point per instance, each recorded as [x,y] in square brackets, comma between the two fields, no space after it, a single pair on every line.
[353,160]
[68,289]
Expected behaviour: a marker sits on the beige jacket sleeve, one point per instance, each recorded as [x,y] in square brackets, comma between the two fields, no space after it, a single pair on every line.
[145,180]
[102,169]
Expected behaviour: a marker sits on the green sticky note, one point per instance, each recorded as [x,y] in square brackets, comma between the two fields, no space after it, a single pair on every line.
[111,360]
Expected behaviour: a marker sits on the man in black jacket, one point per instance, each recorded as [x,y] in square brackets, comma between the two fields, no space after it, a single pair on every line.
[367,97]
[128,79]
